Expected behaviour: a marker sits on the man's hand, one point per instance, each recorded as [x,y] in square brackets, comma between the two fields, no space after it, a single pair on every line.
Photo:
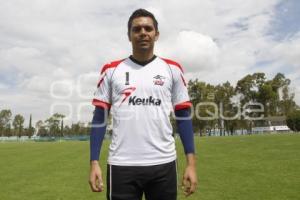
[96,181]
[189,180]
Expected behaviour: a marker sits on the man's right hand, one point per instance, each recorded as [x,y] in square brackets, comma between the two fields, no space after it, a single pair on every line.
[96,181]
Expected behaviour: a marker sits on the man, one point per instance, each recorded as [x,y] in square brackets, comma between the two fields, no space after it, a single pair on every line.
[140,92]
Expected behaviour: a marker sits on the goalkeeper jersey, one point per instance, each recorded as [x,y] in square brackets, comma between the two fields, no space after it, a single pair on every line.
[141,98]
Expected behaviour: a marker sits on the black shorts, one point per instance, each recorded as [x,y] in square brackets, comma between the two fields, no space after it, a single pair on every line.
[158,182]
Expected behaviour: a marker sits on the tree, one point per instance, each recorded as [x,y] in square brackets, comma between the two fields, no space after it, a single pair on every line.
[67,130]
[30,128]
[249,87]
[293,120]
[5,117]
[39,124]
[226,115]
[75,128]
[61,117]
[287,104]
[256,89]
[53,124]
[18,124]
[62,127]
[279,82]
[200,92]
[41,128]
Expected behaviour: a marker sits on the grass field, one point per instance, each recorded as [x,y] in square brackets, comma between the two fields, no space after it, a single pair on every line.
[258,167]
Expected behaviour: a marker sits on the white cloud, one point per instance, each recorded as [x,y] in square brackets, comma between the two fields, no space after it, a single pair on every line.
[194,50]
[37,84]
[287,53]
[45,42]
[2,86]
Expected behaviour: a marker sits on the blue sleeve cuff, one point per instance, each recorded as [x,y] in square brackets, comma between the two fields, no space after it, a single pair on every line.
[97,132]
[185,129]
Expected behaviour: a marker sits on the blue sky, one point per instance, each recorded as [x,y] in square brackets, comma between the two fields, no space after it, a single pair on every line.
[286,20]
[51,53]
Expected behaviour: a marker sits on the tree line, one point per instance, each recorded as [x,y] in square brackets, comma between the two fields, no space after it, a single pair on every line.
[16,128]
[253,92]
[51,127]
[216,107]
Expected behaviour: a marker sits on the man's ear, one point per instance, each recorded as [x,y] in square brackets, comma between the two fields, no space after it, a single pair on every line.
[128,34]
[156,35]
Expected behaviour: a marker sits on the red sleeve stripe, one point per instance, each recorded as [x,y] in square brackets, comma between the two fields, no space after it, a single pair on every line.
[183,105]
[101,80]
[173,63]
[111,65]
[101,104]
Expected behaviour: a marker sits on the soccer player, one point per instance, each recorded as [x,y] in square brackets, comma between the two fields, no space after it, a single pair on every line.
[140,92]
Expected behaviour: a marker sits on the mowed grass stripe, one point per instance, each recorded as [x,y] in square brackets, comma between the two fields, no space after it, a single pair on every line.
[261,167]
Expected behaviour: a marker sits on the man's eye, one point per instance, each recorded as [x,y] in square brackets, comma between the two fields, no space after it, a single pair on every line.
[136,29]
[148,28]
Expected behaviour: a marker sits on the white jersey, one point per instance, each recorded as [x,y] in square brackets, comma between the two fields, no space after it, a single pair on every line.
[141,100]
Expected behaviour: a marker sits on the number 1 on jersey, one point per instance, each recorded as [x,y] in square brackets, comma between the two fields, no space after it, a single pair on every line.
[127,78]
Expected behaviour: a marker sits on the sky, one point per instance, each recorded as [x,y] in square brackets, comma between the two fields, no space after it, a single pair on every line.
[51,51]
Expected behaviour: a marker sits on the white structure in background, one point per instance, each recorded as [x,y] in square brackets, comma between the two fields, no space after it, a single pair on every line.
[272,124]
[35,134]
[270,128]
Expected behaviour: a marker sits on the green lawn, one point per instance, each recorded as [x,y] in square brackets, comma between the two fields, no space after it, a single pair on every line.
[258,167]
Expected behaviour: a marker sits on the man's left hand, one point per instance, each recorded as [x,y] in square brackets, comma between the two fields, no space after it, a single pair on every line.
[189,181]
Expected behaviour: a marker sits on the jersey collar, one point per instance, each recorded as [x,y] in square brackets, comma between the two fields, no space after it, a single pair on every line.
[142,63]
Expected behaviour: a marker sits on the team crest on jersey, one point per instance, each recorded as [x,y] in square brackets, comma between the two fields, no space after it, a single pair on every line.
[159,80]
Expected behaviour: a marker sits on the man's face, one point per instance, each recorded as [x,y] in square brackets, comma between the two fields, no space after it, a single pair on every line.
[143,34]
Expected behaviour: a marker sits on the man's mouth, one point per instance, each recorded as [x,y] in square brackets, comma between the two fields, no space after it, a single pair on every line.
[141,41]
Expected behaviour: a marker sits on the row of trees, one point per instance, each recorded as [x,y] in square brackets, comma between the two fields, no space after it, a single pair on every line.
[16,128]
[272,98]
[219,107]
[53,126]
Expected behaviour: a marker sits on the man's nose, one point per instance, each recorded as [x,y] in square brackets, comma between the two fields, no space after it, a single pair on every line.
[143,31]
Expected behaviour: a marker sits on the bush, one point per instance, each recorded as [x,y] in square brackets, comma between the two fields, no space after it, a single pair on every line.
[293,120]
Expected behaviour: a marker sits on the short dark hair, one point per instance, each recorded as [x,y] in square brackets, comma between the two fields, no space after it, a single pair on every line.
[141,13]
